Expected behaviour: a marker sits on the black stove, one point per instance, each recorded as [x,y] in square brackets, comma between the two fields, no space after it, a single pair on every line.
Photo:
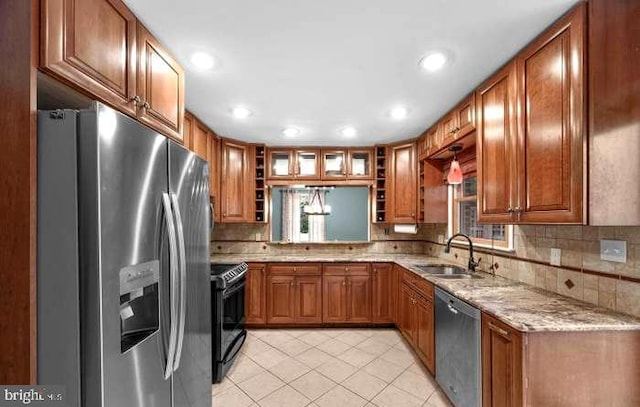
[227,315]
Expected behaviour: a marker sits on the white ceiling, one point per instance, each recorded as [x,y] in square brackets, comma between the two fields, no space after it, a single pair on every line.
[323,65]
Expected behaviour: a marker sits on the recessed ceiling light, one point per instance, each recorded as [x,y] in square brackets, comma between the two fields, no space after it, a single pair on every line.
[348,132]
[399,112]
[202,61]
[291,132]
[433,61]
[241,112]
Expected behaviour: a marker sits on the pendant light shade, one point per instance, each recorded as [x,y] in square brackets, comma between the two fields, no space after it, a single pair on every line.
[455,172]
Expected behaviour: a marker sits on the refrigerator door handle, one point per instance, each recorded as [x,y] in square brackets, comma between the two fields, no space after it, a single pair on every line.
[183,280]
[173,271]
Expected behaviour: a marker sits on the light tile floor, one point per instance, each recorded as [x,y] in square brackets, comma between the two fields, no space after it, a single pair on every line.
[327,368]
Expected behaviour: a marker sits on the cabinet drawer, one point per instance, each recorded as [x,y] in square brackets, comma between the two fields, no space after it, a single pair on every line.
[422,286]
[294,268]
[351,269]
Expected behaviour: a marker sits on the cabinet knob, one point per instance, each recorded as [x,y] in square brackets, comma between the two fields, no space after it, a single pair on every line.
[291,284]
[295,269]
[146,105]
[344,283]
[346,269]
[136,99]
[413,215]
[509,210]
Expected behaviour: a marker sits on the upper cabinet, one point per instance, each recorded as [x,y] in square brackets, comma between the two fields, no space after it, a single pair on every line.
[287,164]
[160,85]
[550,154]
[531,134]
[236,187]
[496,146]
[402,198]
[347,164]
[99,46]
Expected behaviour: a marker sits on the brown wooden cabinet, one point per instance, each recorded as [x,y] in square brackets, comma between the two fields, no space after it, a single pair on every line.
[496,146]
[99,46]
[347,293]
[281,306]
[552,124]
[458,123]
[402,195]
[236,186]
[255,294]
[160,85]
[531,126]
[290,164]
[501,364]
[346,164]
[416,317]
[385,291]
[92,44]
[293,296]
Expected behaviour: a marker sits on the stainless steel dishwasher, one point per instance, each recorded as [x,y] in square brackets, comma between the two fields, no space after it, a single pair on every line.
[458,365]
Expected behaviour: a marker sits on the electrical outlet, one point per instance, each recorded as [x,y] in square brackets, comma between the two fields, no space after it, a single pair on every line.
[440,238]
[613,250]
[556,256]
[258,236]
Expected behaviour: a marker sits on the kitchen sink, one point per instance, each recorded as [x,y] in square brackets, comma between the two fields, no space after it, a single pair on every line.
[444,271]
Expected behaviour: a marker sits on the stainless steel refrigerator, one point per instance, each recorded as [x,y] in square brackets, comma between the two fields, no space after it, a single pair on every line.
[124,308]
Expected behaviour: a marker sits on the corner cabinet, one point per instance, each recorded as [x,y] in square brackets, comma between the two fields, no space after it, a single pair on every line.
[402,184]
[531,131]
[100,47]
[236,186]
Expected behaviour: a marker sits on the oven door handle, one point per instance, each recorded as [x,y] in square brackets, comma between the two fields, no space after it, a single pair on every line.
[242,336]
[236,288]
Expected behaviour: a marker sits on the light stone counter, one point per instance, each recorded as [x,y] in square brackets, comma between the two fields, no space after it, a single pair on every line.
[521,306]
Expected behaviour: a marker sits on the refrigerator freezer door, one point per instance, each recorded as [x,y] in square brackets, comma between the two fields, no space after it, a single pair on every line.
[123,175]
[189,181]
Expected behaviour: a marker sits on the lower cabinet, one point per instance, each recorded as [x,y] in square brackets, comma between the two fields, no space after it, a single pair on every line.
[294,299]
[385,291]
[416,322]
[346,298]
[501,364]
[255,294]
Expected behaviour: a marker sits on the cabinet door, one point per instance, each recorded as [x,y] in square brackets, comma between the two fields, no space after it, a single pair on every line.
[496,146]
[334,164]
[449,128]
[235,189]
[425,332]
[434,139]
[334,299]
[256,295]
[92,43]
[501,364]
[187,130]
[280,164]
[406,312]
[160,85]
[281,299]
[359,298]
[307,164]
[200,140]
[403,185]
[551,74]
[360,164]
[466,116]
[383,294]
[308,300]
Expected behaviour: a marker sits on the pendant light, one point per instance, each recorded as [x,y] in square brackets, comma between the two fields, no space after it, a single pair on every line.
[316,207]
[455,173]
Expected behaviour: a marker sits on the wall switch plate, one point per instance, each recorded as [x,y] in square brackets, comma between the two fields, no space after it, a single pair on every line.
[556,256]
[613,250]
[440,238]
[258,236]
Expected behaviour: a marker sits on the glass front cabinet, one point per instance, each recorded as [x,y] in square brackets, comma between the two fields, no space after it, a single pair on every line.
[294,164]
[347,164]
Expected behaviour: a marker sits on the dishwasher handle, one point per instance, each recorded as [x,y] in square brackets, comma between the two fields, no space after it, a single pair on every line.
[452,309]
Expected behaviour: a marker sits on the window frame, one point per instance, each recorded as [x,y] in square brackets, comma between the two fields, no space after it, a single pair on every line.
[453,221]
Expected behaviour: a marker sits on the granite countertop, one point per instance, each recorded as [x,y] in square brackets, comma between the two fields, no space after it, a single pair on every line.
[521,306]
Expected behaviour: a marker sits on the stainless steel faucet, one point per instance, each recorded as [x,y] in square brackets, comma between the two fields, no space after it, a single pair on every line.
[472,263]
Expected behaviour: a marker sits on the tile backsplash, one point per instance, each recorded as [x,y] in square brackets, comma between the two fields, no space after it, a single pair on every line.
[582,274]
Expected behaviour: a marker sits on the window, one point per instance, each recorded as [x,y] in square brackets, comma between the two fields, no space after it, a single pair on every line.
[463,218]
